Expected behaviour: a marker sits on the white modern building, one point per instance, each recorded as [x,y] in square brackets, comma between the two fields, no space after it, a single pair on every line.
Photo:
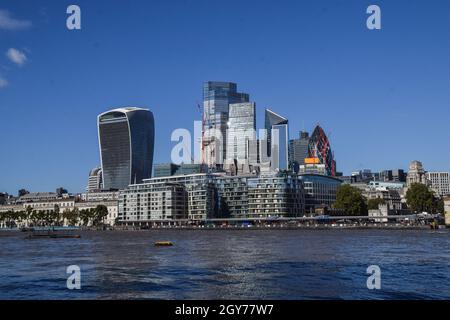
[439,182]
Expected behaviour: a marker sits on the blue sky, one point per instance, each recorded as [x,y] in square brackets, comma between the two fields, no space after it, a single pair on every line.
[382,96]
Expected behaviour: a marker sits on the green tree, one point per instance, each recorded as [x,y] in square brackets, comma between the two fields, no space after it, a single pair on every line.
[438,205]
[71,216]
[100,213]
[419,198]
[373,204]
[350,200]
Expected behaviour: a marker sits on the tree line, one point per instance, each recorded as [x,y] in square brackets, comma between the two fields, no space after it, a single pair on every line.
[75,217]
[419,198]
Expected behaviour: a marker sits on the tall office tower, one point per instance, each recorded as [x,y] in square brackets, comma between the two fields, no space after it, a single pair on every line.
[241,140]
[277,140]
[95,180]
[298,150]
[217,96]
[319,147]
[126,139]
[271,119]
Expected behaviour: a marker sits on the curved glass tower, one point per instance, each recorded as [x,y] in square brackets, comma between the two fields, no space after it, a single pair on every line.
[319,147]
[126,139]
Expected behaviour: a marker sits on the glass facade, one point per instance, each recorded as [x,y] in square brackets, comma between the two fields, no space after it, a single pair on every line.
[126,138]
[319,191]
[241,132]
[217,96]
[319,147]
[280,147]
[271,119]
[298,151]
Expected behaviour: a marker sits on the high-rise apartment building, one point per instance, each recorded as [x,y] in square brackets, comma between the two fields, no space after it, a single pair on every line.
[126,138]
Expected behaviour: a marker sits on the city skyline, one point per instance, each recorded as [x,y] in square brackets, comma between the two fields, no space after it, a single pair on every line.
[50,133]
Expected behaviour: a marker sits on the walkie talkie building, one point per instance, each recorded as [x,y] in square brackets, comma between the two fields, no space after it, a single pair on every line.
[126,141]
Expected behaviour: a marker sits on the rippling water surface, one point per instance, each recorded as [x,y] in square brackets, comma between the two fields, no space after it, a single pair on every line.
[244,264]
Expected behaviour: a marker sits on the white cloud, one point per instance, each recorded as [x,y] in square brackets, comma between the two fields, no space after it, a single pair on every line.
[9,23]
[3,82]
[16,56]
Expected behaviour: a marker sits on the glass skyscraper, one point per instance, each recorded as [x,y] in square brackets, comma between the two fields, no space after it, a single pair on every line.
[217,96]
[277,140]
[319,147]
[241,140]
[298,150]
[126,141]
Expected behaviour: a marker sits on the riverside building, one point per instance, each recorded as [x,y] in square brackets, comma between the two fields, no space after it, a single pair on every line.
[320,191]
[169,198]
[199,197]
[275,195]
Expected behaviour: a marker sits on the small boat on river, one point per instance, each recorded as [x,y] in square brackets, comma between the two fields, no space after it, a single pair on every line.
[52,233]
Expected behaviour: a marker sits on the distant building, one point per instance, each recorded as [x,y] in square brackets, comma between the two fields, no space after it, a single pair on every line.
[170,169]
[364,175]
[386,185]
[416,174]
[95,180]
[103,195]
[164,170]
[190,168]
[22,192]
[61,192]
[126,138]
[298,150]
[439,182]
[3,198]
[62,205]
[391,197]
[312,168]
[397,175]
[38,197]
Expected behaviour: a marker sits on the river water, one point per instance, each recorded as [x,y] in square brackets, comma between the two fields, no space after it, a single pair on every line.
[228,264]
